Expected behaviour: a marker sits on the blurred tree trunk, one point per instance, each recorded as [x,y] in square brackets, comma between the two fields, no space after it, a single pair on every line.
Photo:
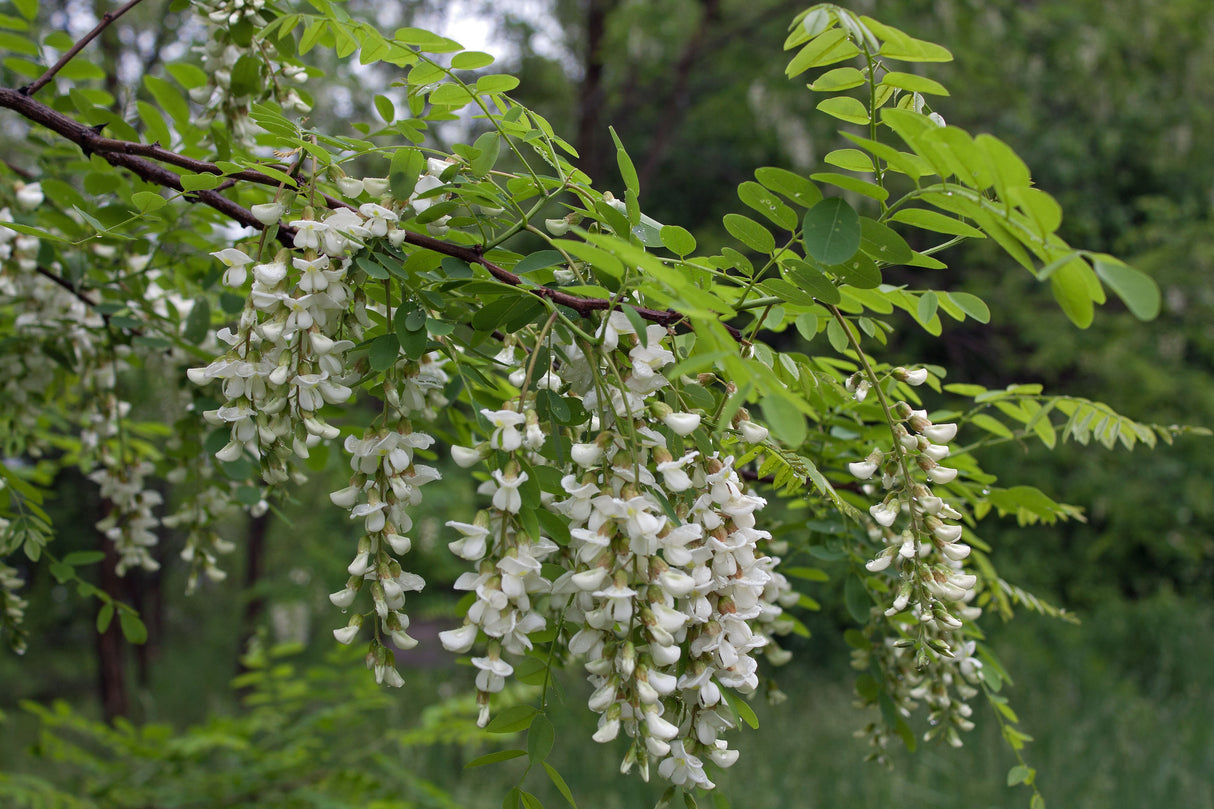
[111,664]
[593,97]
[255,603]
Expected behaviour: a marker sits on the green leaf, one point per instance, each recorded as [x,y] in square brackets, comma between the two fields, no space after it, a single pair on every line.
[914,83]
[745,712]
[538,261]
[793,186]
[169,98]
[1135,288]
[678,240]
[786,421]
[490,145]
[246,76]
[471,60]
[825,49]
[811,280]
[881,243]
[187,75]
[198,323]
[767,203]
[104,616]
[628,172]
[937,222]
[497,83]
[199,182]
[512,719]
[1019,774]
[841,78]
[540,738]
[559,783]
[385,108]
[856,597]
[898,45]
[832,231]
[1070,287]
[750,233]
[859,271]
[494,758]
[383,351]
[147,201]
[851,160]
[27,8]
[928,303]
[132,628]
[991,425]
[845,108]
[972,305]
[407,165]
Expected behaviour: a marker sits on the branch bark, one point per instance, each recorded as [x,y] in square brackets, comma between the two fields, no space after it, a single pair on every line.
[138,159]
[106,20]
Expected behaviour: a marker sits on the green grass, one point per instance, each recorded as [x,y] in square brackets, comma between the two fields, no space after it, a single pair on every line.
[1120,708]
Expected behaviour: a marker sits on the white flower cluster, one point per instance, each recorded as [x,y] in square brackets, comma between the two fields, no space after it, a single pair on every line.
[42,311]
[927,551]
[286,360]
[944,684]
[221,54]
[666,592]
[287,355]
[129,523]
[387,483]
[12,606]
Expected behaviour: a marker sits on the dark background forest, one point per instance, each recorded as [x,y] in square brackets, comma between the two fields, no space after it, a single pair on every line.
[1108,101]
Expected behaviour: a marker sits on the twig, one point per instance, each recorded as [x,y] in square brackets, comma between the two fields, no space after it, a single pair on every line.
[135,158]
[106,20]
[68,285]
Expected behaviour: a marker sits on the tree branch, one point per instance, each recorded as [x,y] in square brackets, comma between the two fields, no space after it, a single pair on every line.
[106,20]
[134,157]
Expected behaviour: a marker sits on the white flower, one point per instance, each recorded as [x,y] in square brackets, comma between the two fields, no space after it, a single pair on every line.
[29,196]
[493,673]
[752,433]
[466,457]
[885,513]
[313,278]
[458,640]
[682,423]
[507,497]
[236,261]
[267,213]
[865,469]
[506,435]
[345,636]
[308,232]
[915,377]
[379,218]
[343,598]
[939,433]
[350,186]
[375,186]
[941,474]
[472,545]
[586,455]
[683,769]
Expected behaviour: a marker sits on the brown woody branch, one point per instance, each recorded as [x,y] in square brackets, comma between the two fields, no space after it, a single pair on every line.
[106,20]
[138,158]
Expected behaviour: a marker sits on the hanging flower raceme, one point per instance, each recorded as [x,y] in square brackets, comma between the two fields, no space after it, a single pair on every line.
[666,594]
[386,483]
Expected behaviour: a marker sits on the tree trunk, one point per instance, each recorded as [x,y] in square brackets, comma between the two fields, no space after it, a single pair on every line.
[111,663]
[255,603]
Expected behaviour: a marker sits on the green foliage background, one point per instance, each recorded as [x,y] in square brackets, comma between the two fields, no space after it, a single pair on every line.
[1109,102]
